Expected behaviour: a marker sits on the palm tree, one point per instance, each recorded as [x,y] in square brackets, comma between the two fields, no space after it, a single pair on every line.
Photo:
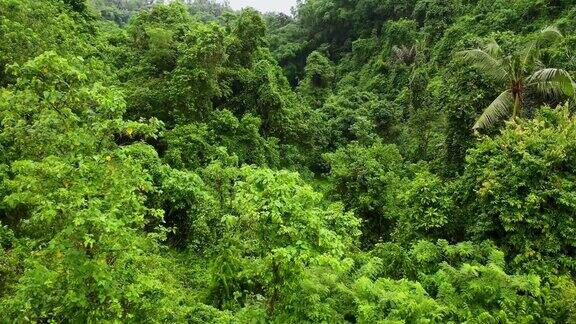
[513,71]
[405,54]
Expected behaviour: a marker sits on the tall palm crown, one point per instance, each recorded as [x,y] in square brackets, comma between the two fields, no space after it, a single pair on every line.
[513,70]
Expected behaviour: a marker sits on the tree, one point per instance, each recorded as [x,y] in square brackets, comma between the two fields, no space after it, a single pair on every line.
[365,178]
[512,69]
[248,35]
[77,5]
[191,146]
[148,169]
[519,191]
[79,200]
[318,80]
[275,228]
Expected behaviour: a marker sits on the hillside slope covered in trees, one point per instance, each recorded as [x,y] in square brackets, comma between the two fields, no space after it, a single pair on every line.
[362,161]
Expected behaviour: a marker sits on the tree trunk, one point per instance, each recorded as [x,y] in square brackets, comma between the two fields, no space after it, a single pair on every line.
[517,107]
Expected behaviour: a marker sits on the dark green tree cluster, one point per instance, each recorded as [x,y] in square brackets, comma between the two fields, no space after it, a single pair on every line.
[358,161]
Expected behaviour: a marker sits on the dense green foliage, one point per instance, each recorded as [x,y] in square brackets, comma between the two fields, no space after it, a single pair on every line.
[178,161]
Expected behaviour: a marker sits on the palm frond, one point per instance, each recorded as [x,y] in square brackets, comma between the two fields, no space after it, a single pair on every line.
[493,49]
[498,109]
[553,82]
[485,63]
[550,33]
[539,65]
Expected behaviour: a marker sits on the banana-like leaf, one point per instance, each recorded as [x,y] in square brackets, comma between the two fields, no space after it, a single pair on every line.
[498,109]
[485,63]
[553,82]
